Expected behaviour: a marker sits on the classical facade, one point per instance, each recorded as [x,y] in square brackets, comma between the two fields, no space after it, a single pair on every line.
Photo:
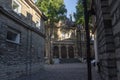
[65,46]
[66,42]
[106,19]
[81,41]
[21,38]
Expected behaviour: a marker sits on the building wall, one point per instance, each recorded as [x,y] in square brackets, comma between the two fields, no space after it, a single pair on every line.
[26,57]
[30,14]
[81,42]
[105,42]
[69,46]
[73,40]
[115,13]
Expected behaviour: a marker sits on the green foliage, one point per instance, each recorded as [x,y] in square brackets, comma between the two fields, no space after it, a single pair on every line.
[53,9]
[79,15]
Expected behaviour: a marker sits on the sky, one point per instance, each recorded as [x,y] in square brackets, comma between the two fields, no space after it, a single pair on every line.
[70,5]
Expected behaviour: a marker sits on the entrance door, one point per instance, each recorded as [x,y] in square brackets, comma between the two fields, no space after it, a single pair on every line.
[63,52]
[71,52]
[55,52]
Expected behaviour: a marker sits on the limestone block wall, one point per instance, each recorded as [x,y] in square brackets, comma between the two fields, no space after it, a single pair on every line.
[115,14]
[106,49]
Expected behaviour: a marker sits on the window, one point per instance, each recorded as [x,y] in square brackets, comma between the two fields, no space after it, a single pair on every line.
[13,36]
[38,24]
[34,1]
[16,7]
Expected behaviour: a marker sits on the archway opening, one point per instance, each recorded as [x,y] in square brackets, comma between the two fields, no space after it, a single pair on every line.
[71,52]
[63,52]
[55,52]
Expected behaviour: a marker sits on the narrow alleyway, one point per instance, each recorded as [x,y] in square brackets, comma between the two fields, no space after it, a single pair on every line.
[75,71]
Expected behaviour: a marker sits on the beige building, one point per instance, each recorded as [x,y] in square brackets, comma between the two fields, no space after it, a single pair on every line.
[65,43]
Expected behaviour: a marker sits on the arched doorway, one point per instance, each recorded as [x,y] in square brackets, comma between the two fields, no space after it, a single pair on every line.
[63,52]
[71,52]
[55,52]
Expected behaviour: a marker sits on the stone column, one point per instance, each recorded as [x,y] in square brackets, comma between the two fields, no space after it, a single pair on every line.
[51,49]
[67,52]
[47,57]
[75,54]
[60,51]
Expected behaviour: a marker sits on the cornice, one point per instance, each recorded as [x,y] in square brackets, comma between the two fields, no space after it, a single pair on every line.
[19,21]
[31,3]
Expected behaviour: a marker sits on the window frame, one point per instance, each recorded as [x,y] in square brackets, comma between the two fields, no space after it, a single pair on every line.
[17,38]
[38,24]
[19,8]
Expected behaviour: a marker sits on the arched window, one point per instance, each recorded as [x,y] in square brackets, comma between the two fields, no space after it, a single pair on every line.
[55,52]
[71,52]
[63,52]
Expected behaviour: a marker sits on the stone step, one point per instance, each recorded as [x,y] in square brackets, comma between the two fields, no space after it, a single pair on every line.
[71,60]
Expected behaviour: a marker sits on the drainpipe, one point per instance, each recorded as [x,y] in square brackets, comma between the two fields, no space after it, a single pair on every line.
[30,55]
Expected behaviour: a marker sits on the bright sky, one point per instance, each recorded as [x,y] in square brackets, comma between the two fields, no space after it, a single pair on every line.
[70,5]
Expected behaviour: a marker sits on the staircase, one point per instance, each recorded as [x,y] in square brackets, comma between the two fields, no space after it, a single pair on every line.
[71,60]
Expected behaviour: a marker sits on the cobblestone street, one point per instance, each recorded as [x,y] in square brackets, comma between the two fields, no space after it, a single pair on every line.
[62,72]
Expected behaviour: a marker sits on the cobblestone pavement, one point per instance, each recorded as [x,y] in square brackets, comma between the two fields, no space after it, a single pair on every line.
[62,72]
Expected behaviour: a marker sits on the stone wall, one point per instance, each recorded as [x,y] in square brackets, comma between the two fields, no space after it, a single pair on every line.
[25,57]
[115,13]
[19,59]
[29,14]
[105,40]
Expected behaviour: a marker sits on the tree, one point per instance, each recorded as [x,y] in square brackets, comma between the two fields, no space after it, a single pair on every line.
[55,10]
[79,15]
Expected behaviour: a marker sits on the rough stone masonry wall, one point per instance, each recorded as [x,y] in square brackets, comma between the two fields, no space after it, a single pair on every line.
[115,13]
[19,59]
[106,49]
